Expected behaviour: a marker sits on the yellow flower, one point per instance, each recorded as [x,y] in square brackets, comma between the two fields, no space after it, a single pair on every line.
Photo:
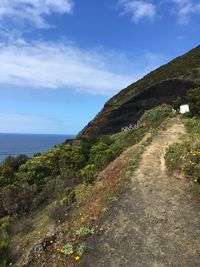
[77,258]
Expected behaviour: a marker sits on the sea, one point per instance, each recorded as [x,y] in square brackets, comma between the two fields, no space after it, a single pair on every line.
[28,144]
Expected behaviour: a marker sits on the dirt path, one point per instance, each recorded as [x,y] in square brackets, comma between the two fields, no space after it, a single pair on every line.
[156,222]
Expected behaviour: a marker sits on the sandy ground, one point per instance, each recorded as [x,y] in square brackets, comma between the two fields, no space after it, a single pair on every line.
[156,222]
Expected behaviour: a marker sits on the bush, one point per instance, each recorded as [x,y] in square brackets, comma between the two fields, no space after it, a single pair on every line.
[193,126]
[185,157]
[88,173]
[192,166]
[18,199]
[152,118]
[193,96]
[176,104]
[68,249]
[69,197]
[4,252]
[72,158]
[9,168]
[5,223]
[84,231]
[35,170]
[175,155]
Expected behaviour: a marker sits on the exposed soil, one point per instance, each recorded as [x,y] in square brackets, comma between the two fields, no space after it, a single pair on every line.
[156,222]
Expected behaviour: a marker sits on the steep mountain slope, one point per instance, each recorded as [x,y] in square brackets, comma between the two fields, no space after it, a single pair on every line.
[161,85]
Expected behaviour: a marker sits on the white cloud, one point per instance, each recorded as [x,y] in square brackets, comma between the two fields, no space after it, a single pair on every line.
[185,8]
[33,11]
[138,9]
[63,65]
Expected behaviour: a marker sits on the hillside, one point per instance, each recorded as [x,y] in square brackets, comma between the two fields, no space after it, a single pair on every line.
[52,202]
[156,221]
[160,86]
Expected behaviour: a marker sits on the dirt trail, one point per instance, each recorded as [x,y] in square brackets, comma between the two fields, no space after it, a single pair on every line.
[156,222]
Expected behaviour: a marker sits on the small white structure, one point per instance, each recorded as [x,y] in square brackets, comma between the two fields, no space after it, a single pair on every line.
[184,109]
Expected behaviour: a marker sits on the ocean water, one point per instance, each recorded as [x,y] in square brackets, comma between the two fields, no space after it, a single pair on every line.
[28,144]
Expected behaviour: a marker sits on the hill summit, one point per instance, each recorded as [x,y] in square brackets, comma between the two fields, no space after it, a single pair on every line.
[162,85]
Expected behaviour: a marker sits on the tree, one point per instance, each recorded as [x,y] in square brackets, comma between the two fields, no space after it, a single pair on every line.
[193,96]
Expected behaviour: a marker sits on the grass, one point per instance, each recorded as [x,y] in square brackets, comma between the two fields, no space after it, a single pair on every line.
[192,126]
[185,157]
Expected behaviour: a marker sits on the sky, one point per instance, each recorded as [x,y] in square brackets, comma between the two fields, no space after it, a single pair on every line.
[61,60]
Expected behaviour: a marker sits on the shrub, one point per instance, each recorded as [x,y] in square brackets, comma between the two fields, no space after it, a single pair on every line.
[175,155]
[176,104]
[192,166]
[193,96]
[35,170]
[4,252]
[193,126]
[68,249]
[97,152]
[81,249]
[88,173]
[152,118]
[86,144]
[9,168]
[185,157]
[18,199]
[83,231]
[69,197]
[71,158]
[5,223]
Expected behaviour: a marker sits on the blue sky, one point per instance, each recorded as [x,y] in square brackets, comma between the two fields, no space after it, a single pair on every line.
[62,59]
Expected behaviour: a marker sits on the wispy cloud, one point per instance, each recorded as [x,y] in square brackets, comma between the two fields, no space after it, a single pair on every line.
[32,11]
[138,9]
[185,8]
[55,65]
[149,9]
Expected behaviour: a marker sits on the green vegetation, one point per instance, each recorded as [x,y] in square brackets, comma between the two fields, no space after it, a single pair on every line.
[4,252]
[176,104]
[186,67]
[88,173]
[185,156]
[52,178]
[81,249]
[83,231]
[193,126]
[194,101]
[68,249]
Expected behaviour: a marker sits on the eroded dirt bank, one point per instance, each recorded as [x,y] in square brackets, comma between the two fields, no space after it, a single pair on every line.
[156,222]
